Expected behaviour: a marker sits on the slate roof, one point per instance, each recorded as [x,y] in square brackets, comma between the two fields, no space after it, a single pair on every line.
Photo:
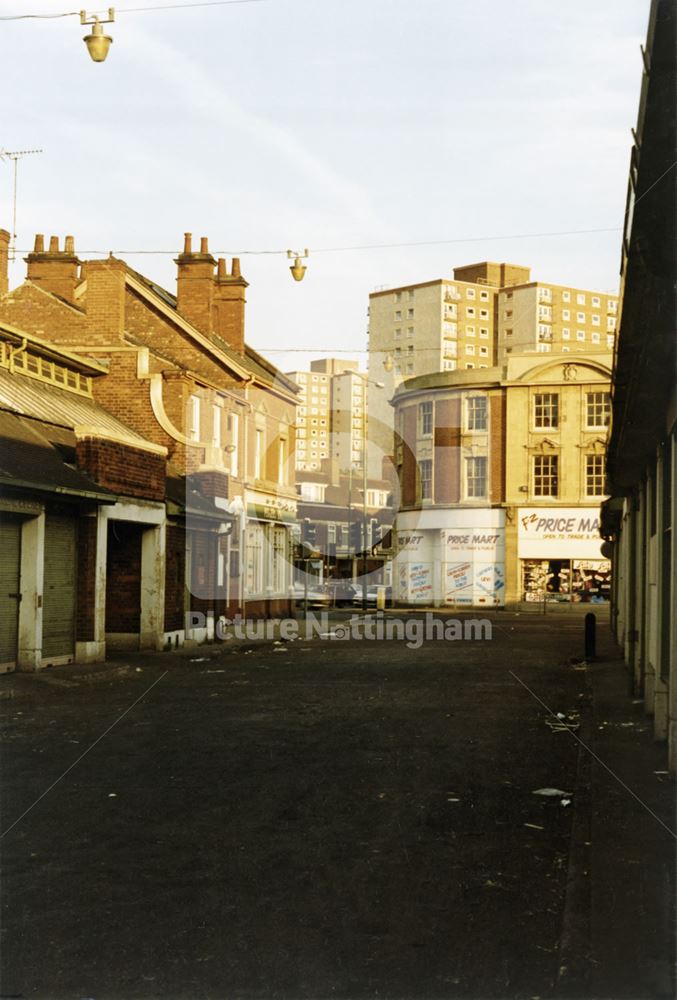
[251,360]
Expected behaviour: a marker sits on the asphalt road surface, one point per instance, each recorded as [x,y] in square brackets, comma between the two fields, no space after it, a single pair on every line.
[305,820]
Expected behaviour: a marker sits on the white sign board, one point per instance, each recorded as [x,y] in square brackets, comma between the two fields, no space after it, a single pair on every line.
[474,566]
[558,533]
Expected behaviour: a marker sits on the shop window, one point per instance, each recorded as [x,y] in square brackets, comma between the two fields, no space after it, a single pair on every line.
[546,479]
[546,410]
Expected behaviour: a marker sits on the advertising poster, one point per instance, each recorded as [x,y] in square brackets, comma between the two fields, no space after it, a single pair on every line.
[475,558]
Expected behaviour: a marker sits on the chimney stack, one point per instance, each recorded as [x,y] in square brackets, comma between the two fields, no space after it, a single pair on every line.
[55,271]
[229,303]
[4,261]
[195,284]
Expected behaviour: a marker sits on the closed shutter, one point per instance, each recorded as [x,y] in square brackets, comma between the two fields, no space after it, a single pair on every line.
[58,614]
[10,552]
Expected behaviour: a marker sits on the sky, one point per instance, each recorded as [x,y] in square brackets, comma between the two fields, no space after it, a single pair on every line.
[328,124]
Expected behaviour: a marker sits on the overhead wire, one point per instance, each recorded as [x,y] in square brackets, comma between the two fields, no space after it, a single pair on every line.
[129,10]
[370,246]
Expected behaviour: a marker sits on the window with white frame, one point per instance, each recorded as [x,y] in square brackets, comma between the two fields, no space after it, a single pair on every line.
[594,475]
[484,350]
[566,314]
[612,305]
[470,311]
[234,428]
[470,293]
[546,478]
[398,333]
[282,460]
[484,314]
[470,331]
[566,296]
[610,323]
[194,418]
[258,453]
[597,410]
[476,413]
[484,296]
[425,419]
[580,299]
[595,338]
[610,341]
[595,302]
[313,492]
[566,333]
[425,474]
[469,348]
[278,560]
[476,477]
[580,317]
[546,410]
[254,558]
[217,418]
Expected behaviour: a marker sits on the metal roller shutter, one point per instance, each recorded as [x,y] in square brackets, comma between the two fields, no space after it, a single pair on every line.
[10,555]
[58,615]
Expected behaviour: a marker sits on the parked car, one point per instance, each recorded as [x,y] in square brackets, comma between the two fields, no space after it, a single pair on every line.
[372,593]
[316,596]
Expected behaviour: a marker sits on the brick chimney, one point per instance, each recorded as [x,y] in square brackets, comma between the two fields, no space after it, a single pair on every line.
[105,300]
[4,261]
[229,303]
[54,270]
[195,284]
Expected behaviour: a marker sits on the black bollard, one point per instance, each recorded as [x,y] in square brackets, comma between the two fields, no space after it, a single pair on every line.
[590,625]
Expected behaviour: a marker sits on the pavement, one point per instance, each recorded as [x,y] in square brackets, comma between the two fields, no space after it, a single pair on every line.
[317,818]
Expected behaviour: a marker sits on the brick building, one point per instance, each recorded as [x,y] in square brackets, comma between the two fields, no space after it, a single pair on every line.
[83,518]
[179,373]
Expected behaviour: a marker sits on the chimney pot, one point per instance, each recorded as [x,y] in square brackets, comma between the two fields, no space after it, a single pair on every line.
[204,245]
[69,245]
[187,242]
[53,244]
[236,267]
[221,268]
[39,243]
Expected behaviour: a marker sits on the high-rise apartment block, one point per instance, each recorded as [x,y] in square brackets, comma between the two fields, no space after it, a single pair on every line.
[330,416]
[487,312]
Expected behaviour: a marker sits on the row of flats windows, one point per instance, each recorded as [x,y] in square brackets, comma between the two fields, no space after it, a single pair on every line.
[471,312]
[409,314]
[544,477]
[398,332]
[580,298]
[475,415]
[452,294]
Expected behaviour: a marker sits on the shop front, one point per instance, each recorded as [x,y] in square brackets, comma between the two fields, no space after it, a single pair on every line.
[450,557]
[559,551]
[268,547]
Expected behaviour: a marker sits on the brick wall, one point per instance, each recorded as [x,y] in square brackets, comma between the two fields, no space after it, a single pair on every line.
[497,444]
[408,457]
[30,309]
[447,485]
[123,469]
[86,579]
[123,579]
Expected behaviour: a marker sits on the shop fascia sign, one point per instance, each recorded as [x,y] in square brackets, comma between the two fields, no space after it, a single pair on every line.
[265,507]
[559,532]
